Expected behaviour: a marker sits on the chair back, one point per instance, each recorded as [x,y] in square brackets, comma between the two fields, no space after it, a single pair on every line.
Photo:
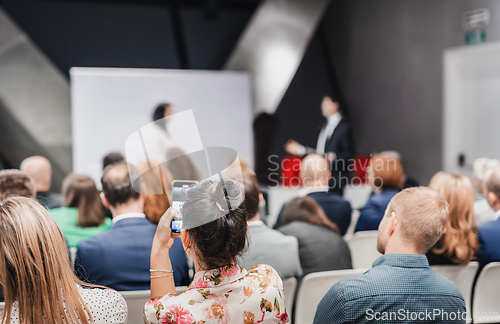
[289,286]
[486,306]
[312,289]
[136,300]
[363,246]
[462,277]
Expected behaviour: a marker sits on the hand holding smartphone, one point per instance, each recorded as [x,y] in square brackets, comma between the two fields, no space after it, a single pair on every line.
[179,196]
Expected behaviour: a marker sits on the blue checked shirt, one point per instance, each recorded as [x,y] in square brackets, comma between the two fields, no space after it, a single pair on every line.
[400,288]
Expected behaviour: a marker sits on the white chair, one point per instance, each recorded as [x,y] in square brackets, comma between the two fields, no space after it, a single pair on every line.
[462,277]
[363,246]
[72,252]
[289,286]
[2,307]
[487,295]
[312,289]
[354,219]
[136,300]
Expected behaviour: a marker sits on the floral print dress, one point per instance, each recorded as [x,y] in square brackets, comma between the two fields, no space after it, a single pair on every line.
[226,295]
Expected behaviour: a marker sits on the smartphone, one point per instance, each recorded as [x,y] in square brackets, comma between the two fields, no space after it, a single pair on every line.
[180,190]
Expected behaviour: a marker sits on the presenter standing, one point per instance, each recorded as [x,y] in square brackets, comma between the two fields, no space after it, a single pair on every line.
[334,142]
[160,141]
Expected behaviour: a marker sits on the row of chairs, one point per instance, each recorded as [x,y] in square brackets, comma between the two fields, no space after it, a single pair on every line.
[486,304]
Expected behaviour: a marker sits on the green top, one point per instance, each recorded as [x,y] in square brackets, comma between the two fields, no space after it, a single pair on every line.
[67,218]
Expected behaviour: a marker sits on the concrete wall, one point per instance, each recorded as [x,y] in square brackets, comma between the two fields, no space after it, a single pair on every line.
[388,57]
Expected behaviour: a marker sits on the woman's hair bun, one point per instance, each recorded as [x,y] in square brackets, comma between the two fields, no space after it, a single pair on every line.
[228,195]
[215,218]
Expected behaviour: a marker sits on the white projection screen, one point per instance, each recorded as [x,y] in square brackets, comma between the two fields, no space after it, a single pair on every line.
[110,104]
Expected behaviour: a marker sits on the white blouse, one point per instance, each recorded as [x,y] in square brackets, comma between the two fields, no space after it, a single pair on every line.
[222,296]
[106,306]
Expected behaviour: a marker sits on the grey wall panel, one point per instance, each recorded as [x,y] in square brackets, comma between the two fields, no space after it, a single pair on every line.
[389,55]
[273,45]
[35,102]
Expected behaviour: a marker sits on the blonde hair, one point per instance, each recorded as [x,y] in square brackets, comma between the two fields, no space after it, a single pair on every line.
[460,242]
[34,267]
[422,214]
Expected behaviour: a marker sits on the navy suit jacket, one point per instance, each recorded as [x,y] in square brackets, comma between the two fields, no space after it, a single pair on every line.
[341,143]
[120,257]
[335,207]
[374,210]
[489,243]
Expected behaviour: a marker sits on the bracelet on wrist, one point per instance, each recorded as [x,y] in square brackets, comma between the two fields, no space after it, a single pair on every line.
[161,270]
[162,276]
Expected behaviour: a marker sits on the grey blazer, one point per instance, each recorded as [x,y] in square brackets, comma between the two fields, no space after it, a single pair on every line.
[268,246]
[320,249]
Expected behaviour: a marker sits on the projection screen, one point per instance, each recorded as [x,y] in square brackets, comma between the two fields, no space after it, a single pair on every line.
[110,104]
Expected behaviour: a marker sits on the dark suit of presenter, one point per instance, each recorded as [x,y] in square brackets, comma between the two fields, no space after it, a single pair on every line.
[336,137]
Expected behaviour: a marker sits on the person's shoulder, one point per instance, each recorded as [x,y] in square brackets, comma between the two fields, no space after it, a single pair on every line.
[100,293]
[105,302]
[94,242]
[273,235]
[491,226]
[265,271]
[383,196]
[295,228]
[444,285]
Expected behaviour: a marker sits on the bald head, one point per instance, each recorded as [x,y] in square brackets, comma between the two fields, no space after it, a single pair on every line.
[315,171]
[40,170]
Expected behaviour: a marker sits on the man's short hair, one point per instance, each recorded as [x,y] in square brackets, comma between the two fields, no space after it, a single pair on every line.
[422,215]
[112,158]
[116,184]
[15,182]
[252,192]
[492,180]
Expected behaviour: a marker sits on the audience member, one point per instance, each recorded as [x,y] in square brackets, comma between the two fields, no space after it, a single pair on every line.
[483,211]
[400,284]
[458,244]
[489,233]
[158,189]
[265,245]
[17,183]
[40,170]
[386,176]
[181,166]
[111,158]
[214,235]
[409,181]
[119,258]
[37,277]
[82,216]
[315,174]
[321,247]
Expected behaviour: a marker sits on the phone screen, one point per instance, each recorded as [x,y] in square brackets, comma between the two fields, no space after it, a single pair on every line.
[179,196]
